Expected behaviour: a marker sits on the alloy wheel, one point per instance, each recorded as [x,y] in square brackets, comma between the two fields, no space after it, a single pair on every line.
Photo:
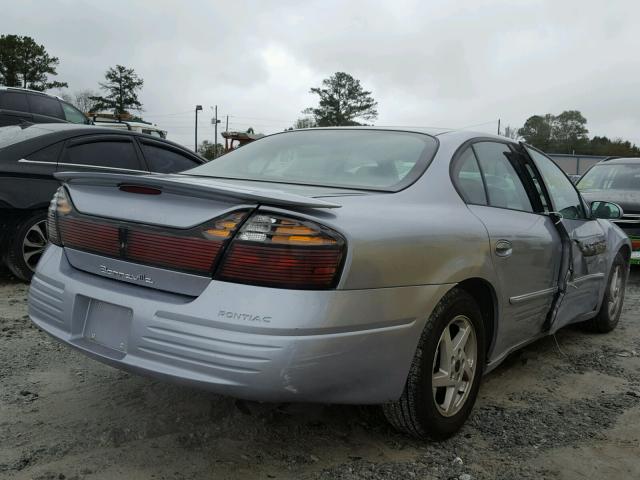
[615,290]
[34,243]
[454,366]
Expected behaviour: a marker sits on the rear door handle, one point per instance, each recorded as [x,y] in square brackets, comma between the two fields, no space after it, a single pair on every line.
[504,248]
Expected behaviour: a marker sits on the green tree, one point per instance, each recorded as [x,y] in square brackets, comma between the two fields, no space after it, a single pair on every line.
[342,102]
[121,87]
[569,132]
[306,122]
[24,63]
[210,151]
[536,131]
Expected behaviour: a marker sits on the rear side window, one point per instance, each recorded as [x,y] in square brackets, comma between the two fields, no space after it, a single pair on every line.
[41,105]
[47,154]
[469,179]
[163,160]
[72,114]
[504,187]
[14,101]
[113,154]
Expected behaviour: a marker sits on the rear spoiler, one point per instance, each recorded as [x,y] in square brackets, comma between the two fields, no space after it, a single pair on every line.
[195,186]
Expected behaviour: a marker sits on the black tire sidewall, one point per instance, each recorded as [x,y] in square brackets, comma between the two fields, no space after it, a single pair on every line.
[14,259]
[439,426]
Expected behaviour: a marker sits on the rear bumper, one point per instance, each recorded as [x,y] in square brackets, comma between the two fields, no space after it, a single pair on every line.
[249,342]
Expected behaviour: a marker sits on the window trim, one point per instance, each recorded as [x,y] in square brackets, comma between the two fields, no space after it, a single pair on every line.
[469,144]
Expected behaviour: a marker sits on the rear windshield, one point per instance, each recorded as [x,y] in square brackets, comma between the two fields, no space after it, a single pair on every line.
[366,159]
[15,134]
[611,177]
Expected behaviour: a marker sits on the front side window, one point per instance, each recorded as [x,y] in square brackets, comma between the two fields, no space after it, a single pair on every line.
[351,158]
[73,115]
[504,187]
[163,160]
[113,154]
[564,196]
[468,178]
[41,105]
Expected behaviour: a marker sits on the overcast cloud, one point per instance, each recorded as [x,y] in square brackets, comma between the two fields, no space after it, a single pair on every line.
[428,63]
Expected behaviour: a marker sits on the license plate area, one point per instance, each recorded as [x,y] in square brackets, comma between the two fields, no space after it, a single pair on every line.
[107,324]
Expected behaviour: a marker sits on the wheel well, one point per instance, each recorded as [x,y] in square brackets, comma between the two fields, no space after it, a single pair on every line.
[484,294]
[626,251]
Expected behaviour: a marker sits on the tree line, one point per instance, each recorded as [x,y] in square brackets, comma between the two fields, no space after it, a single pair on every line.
[342,101]
[568,133]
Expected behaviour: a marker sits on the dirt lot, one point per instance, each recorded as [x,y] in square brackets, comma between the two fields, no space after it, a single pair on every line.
[569,410]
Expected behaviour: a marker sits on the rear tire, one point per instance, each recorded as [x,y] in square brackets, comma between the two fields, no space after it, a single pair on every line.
[27,244]
[611,308]
[425,411]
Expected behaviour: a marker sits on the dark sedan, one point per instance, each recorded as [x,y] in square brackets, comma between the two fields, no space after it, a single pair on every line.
[618,180]
[31,154]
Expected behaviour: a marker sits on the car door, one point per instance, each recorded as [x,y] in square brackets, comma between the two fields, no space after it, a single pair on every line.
[588,266]
[164,158]
[525,244]
[108,153]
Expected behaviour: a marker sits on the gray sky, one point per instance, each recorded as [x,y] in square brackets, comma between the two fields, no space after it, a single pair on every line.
[428,63]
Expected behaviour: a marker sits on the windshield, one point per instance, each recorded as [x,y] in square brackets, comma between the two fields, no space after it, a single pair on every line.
[611,177]
[16,133]
[367,159]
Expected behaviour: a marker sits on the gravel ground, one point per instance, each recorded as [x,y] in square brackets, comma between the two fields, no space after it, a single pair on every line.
[564,408]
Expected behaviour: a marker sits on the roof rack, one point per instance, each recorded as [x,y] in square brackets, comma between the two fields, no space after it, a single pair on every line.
[95,121]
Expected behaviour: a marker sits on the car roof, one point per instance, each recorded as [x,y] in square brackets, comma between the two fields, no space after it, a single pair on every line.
[459,134]
[620,161]
[28,90]
[62,131]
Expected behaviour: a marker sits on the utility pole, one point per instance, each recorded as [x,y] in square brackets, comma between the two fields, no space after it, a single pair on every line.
[198,108]
[498,126]
[215,122]
[226,128]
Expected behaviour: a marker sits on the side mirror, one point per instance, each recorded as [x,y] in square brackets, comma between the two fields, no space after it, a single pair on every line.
[606,210]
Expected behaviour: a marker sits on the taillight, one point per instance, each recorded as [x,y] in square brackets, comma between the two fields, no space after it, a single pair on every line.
[635,243]
[59,206]
[283,252]
[195,250]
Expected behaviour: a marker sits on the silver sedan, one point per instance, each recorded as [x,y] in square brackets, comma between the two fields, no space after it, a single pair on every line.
[346,265]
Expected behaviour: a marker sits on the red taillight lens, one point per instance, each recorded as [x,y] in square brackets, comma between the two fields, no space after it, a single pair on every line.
[635,243]
[275,251]
[194,250]
[185,253]
[90,236]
